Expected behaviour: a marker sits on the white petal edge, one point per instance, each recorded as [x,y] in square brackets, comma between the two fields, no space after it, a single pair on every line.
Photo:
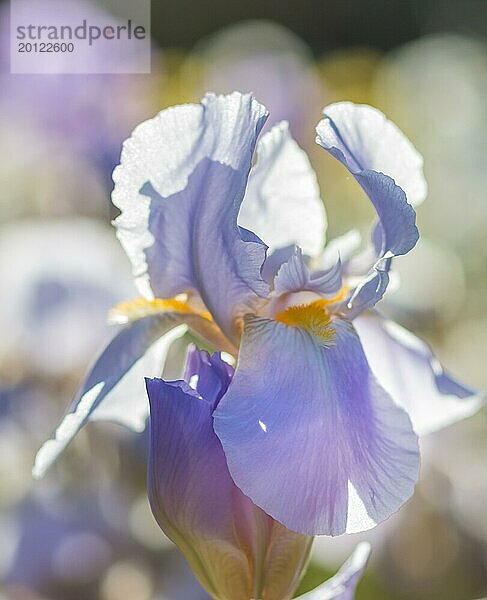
[381,145]
[169,147]
[342,585]
[126,403]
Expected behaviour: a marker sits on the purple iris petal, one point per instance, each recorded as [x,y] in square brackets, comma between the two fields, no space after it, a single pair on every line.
[196,502]
[405,366]
[294,276]
[274,261]
[188,480]
[397,218]
[113,389]
[180,184]
[310,436]
[211,374]
[370,290]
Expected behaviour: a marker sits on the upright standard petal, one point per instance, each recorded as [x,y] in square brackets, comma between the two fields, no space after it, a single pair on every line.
[308,433]
[352,135]
[114,388]
[405,367]
[282,203]
[362,138]
[342,586]
[179,186]
[234,548]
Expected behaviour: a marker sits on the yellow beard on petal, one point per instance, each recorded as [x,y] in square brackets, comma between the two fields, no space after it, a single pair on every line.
[177,309]
[313,318]
[131,310]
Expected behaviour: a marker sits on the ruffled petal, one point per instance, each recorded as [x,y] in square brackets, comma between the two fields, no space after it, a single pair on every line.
[362,138]
[308,433]
[114,388]
[282,203]
[294,276]
[405,367]
[372,148]
[397,231]
[179,186]
[343,585]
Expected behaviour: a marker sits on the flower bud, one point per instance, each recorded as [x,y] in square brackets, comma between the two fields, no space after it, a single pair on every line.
[236,550]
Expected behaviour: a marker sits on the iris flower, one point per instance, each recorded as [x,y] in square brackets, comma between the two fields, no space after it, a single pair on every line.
[319,424]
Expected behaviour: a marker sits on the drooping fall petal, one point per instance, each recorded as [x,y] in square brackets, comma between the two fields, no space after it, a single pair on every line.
[309,434]
[113,389]
[405,367]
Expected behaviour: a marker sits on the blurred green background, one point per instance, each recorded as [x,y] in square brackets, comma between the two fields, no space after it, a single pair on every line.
[85,531]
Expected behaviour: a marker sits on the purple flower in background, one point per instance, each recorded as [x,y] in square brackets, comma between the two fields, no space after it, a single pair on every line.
[317,428]
[90,113]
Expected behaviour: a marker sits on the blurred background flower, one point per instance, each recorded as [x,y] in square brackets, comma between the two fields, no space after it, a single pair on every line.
[86,530]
